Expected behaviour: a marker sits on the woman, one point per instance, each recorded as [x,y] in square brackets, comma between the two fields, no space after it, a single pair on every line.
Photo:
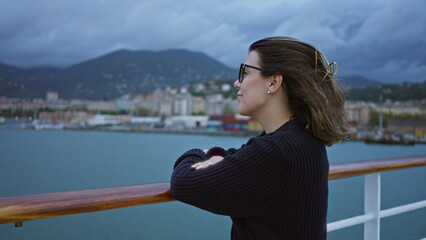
[276,185]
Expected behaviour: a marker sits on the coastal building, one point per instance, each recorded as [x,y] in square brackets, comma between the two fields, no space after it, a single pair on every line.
[145,120]
[126,103]
[30,106]
[77,104]
[214,104]
[67,117]
[58,104]
[101,119]
[186,122]
[358,113]
[101,106]
[182,104]
[145,101]
[52,96]
[198,105]
[163,101]
[225,87]
[157,96]
[397,108]
[232,105]
[166,107]
[199,87]
[415,128]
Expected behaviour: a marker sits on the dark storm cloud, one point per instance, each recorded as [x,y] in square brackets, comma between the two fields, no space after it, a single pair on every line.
[379,39]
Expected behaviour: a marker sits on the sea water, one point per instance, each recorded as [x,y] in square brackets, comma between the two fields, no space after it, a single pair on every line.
[53,161]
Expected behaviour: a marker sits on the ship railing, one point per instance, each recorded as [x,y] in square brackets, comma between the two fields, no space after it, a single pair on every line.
[17,209]
[372,211]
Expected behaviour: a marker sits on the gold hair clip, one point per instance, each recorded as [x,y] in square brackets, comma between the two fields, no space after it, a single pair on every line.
[331,67]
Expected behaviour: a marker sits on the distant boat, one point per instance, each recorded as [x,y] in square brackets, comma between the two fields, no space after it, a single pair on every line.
[45,125]
[2,120]
[59,126]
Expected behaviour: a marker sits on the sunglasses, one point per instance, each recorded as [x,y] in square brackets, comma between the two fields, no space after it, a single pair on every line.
[242,70]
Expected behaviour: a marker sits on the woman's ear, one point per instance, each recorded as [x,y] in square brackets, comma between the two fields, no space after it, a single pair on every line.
[275,83]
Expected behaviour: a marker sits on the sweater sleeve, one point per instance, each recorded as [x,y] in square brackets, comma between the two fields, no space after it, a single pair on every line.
[216,151]
[191,156]
[241,185]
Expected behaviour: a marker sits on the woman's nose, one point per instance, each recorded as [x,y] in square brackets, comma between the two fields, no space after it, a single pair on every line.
[237,84]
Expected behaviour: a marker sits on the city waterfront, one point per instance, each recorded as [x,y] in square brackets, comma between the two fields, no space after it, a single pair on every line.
[52,161]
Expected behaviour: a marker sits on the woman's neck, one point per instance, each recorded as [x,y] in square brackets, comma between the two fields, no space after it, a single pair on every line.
[274,116]
[273,124]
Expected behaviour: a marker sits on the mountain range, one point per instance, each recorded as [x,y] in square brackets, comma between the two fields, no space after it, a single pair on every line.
[123,71]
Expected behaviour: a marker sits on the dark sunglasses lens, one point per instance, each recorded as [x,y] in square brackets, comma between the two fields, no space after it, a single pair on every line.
[241,74]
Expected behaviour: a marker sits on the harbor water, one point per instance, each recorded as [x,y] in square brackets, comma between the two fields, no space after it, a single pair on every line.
[53,161]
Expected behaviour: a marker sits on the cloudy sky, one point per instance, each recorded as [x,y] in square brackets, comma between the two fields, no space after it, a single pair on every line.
[384,40]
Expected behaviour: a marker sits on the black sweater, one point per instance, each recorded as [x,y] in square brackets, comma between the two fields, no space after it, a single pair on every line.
[273,187]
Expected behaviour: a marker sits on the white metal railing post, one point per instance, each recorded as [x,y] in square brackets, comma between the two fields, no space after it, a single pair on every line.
[372,206]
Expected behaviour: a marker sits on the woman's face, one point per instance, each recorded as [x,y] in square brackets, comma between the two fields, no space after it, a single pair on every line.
[252,94]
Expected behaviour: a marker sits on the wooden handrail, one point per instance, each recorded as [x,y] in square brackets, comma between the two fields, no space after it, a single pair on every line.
[47,205]
[357,168]
[16,209]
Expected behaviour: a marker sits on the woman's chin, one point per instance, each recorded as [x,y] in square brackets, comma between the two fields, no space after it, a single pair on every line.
[242,112]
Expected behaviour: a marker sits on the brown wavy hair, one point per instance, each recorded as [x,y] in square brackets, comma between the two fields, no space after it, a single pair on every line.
[313,94]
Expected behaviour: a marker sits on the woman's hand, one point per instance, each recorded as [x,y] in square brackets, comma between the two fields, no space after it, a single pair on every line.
[211,161]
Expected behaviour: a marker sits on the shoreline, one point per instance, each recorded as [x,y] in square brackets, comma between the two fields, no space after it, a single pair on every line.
[170,131]
[125,129]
